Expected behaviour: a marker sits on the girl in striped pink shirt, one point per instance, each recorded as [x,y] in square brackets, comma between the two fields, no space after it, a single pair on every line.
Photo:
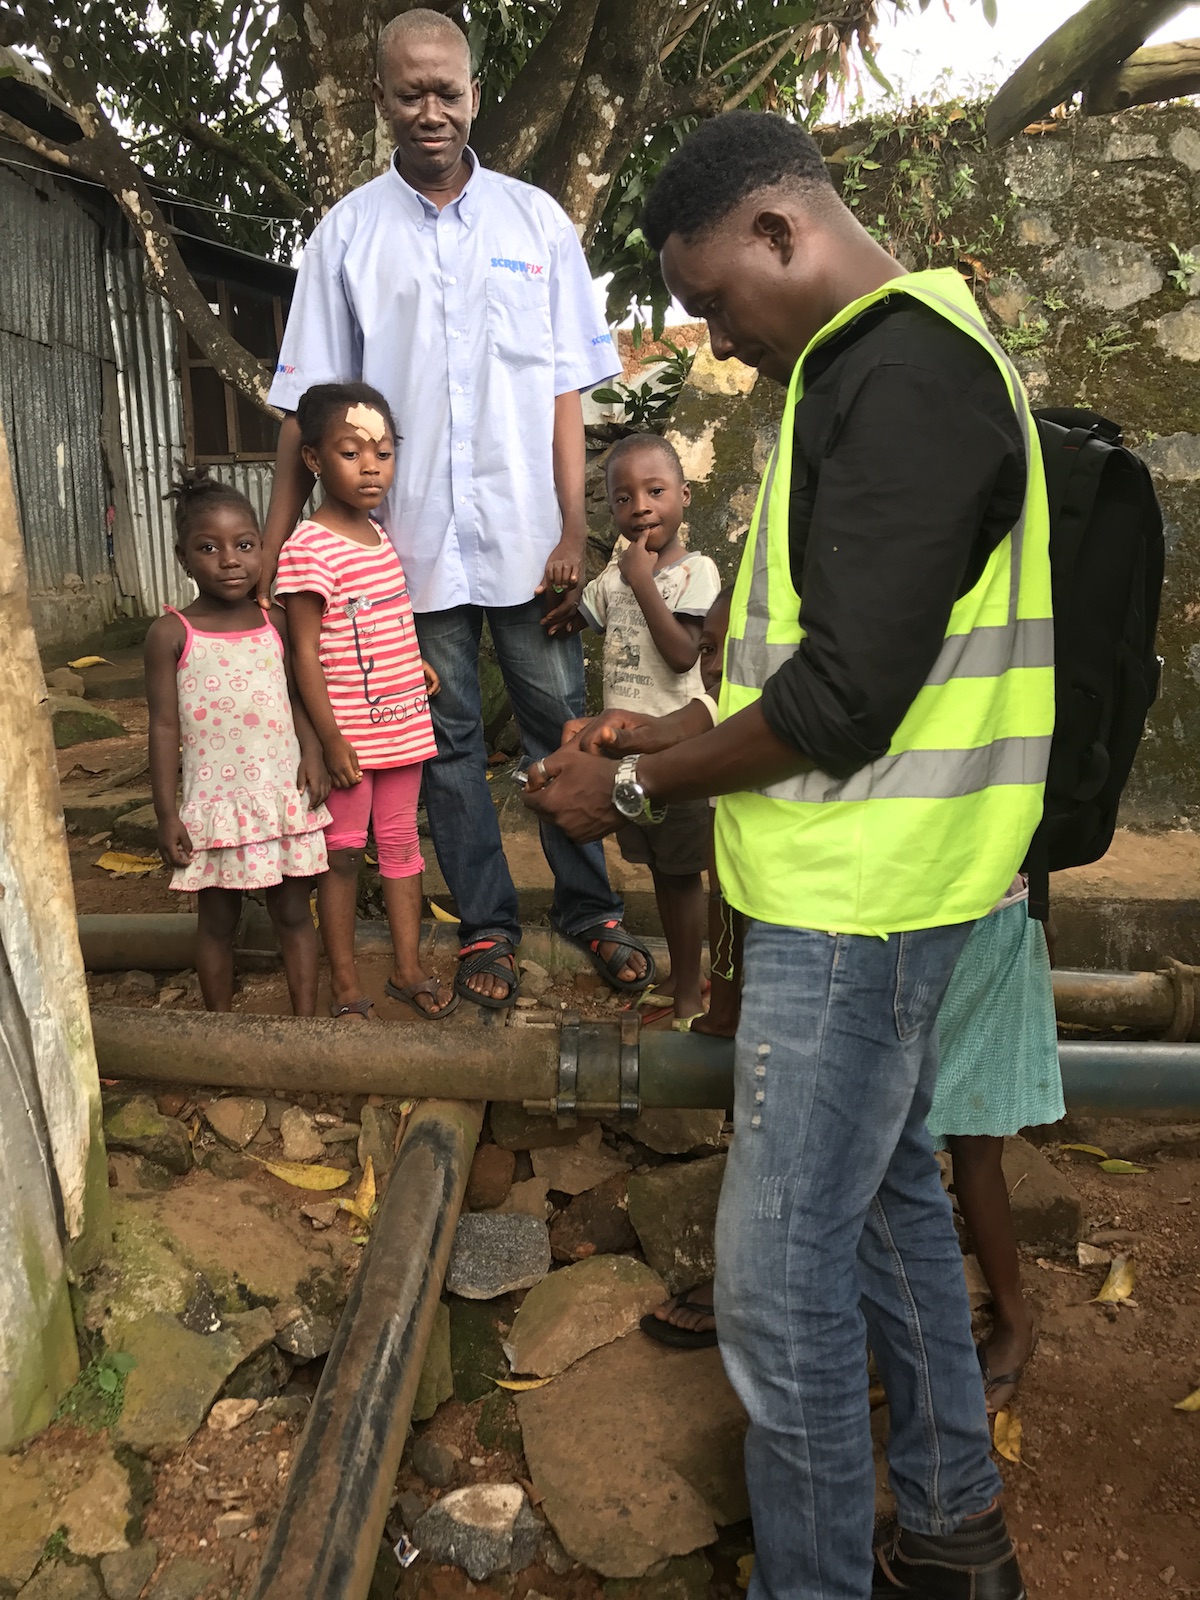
[365,685]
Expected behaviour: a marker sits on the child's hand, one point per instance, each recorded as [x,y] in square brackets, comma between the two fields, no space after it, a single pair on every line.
[313,775]
[433,684]
[174,845]
[342,762]
[637,562]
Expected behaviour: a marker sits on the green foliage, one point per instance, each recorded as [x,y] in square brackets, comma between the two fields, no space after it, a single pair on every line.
[1186,269]
[55,1547]
[927,156]
[1029,334]
[648,405]
[95,1399]
[1112,341]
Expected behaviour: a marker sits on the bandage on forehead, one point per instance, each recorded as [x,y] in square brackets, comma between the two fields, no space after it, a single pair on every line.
[367,422]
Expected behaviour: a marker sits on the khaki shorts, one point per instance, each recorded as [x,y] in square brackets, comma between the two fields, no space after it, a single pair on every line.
[677,846]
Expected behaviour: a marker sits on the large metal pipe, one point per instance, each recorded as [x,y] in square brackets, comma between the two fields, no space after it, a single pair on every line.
[1159,1003]
[406,1059]
[590,1069]
[326,1538]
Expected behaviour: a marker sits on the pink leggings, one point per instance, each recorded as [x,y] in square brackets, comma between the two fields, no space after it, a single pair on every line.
[387,799]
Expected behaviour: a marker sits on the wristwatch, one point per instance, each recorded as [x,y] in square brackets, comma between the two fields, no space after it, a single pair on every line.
[628,796]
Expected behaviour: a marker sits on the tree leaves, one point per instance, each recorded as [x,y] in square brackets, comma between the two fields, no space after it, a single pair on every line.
[1119,1284]
[301,1176]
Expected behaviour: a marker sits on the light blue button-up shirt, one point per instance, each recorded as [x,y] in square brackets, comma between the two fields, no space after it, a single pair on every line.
[470,320]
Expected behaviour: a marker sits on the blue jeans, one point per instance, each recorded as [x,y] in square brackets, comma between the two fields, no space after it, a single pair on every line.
[834,1231]
[544,678]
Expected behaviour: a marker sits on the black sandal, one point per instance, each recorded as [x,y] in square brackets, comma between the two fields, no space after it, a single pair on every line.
[681,1338]
[589,941]
[362,1007]
[487,956]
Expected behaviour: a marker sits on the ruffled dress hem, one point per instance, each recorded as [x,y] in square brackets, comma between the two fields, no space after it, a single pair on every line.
[259,864]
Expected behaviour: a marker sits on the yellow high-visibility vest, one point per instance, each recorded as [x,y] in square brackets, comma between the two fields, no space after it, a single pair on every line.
[933,832]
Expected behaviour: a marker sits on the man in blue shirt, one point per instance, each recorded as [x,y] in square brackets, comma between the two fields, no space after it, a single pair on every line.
[464,296]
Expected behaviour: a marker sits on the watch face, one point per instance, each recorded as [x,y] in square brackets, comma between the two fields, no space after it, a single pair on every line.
[627,797]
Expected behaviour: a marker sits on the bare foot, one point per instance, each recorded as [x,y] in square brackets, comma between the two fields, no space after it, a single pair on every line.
[1003,1355]
[715,1025]
[691,1310]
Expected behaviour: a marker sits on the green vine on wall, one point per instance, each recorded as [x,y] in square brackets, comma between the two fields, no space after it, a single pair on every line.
[926,157]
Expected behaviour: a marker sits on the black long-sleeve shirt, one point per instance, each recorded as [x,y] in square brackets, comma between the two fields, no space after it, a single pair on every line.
[908,469]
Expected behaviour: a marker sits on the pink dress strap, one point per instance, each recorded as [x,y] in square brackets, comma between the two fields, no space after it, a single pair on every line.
[188,630]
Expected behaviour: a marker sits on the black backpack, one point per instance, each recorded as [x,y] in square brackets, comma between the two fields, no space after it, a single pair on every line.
[1106,565]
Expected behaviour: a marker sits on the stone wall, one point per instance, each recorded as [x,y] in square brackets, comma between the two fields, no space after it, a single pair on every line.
[1066,237]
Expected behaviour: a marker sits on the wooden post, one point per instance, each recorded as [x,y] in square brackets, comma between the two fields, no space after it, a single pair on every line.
[1088,44]
[1159,72]
[54,1196]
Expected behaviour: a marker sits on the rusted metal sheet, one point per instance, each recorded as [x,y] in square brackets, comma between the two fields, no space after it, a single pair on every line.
[54,341]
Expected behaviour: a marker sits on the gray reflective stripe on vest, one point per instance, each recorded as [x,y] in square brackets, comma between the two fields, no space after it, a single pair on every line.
[926,774]
[982,653]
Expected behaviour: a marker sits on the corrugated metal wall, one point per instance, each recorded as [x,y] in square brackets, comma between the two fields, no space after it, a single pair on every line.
[54,341]
[145,337]
[143,334]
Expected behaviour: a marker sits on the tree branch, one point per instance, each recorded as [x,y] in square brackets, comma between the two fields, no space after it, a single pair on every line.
[509,135]
[768,67]
[681,33]
[760,44]
[208,138]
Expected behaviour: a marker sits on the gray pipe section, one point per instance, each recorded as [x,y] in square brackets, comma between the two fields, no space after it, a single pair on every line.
[421,1059]
[326,1538]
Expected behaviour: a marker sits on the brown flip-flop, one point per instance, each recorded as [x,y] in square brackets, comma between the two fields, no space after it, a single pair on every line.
[361,1007]
[427,986]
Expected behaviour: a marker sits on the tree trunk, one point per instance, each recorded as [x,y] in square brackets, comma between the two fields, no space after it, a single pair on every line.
[325,50]
[1160,72]
[54,1200]
[613,102]
[509,135]
[1088,44]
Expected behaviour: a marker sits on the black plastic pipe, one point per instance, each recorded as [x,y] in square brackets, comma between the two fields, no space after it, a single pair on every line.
[326,1538]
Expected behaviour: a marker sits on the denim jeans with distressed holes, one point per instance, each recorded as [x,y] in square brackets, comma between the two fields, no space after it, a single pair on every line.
[544,679]
[834,1231]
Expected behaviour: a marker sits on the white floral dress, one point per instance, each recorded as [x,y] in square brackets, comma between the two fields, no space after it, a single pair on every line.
[249,825]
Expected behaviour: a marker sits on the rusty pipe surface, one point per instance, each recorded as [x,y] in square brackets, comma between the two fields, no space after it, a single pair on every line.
[326,1538]
[1144,1000]
[162,942]
[407,1059]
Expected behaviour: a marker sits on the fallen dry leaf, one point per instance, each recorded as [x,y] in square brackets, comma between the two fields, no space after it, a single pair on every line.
[121,864]
[303,1177]
[439,914]
[1119,1283]
[1190,1403]
[1006,1436]
[1087,1150]
[363,1203]
[1121,1166]
[227,1415]
[90,661]
[745,1571]
[519,1385]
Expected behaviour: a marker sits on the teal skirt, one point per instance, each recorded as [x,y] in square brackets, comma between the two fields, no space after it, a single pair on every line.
[998,1042]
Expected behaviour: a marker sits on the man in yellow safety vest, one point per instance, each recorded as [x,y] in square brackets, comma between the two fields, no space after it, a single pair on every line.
[885,724]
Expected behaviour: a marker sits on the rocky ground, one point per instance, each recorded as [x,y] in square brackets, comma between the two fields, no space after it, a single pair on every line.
[618,1472]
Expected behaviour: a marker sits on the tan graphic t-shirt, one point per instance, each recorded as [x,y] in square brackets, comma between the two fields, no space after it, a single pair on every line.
[636,678]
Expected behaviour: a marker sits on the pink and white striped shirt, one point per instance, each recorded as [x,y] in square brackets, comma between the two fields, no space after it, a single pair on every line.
[368,650]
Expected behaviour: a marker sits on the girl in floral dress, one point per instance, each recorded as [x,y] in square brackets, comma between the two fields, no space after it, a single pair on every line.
[254,782]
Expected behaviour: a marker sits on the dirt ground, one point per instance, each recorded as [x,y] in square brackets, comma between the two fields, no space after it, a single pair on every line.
[1106,1497]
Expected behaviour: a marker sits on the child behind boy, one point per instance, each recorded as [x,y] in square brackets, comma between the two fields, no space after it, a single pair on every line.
[650,602]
